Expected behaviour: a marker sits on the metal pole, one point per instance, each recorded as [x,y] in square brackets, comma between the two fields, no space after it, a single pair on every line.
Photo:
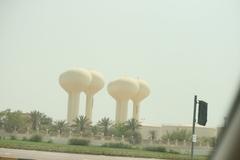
[193,126]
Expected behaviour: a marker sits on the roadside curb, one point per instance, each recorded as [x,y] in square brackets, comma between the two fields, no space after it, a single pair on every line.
[6,158]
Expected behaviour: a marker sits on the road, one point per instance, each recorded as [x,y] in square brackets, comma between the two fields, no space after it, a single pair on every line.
[42,155]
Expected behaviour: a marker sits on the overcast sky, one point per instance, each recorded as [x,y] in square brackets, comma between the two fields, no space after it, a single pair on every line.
[181,48]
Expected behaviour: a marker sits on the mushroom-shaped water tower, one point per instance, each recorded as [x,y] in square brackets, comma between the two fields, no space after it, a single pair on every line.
[96,84]
[143,92]
[74,81]
[122,90]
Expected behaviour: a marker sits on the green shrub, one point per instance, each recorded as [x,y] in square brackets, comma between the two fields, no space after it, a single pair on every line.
[117,145]
[49,141]
[36,138]
[155,149]
[172,151]
[24,139]
[134,137]
[12,137]
[75,141]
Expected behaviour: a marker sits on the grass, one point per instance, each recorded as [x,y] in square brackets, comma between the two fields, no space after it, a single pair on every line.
[43,146]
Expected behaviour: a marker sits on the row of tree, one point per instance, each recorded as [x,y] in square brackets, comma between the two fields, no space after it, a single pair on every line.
[35,121]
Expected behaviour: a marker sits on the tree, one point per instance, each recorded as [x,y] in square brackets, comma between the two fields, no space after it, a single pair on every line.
[13,121]
[36,119]
[179,134]
[105,123]
[132,134]
[40,120]
[81,123]
[133,137]
[60,126]
[152,135]
[94,130]
[132,124]
[119,129]
[45,122]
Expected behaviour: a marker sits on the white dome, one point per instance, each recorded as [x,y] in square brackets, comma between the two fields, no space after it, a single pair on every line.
[75,80]
[123,88]
[143,91]
[96,84]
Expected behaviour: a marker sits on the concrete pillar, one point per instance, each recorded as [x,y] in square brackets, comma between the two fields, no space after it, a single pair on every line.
[121,111]
[73,107]
[136,110]
[89,106]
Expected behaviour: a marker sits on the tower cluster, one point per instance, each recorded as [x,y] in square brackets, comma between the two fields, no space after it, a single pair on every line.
[77,81]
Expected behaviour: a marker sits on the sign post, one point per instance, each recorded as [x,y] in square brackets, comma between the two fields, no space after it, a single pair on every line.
[193,127]
[202,119]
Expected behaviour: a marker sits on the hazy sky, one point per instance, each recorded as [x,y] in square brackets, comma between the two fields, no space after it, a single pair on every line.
[180,48]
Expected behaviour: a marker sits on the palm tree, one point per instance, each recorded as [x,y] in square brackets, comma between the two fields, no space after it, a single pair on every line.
[119,129]
[94,130]
[36,119]
[81,123]
[105,123]
[152,134]
[60,126]
[133,124]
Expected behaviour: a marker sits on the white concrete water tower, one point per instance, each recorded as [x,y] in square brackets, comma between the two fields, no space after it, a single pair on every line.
[96,84]
[142,93]
[122,90]
[74,81]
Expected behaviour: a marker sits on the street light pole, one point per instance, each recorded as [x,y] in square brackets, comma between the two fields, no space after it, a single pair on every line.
[193,126]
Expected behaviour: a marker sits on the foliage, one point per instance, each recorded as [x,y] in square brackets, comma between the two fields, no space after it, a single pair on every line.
[133,137]
[94,130]
[132,124]
[207,140]
[179,134]
[36,138]
[18,121]
[172,151]
[155,149]
[104,124]
[12,137]
[43,146]
[24,139]
[119,129]
[75,141]
[35,118]
[49,141]
[60,126]
[81,124]
[45,122]
[13,121]
[153,134]
[40,120]
[117,145]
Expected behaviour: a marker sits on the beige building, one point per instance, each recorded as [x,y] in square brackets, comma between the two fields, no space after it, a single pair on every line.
[163,129]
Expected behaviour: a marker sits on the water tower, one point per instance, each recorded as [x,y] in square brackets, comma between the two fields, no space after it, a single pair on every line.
[142,93]
[74,81]
[122,90]
[96,84]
